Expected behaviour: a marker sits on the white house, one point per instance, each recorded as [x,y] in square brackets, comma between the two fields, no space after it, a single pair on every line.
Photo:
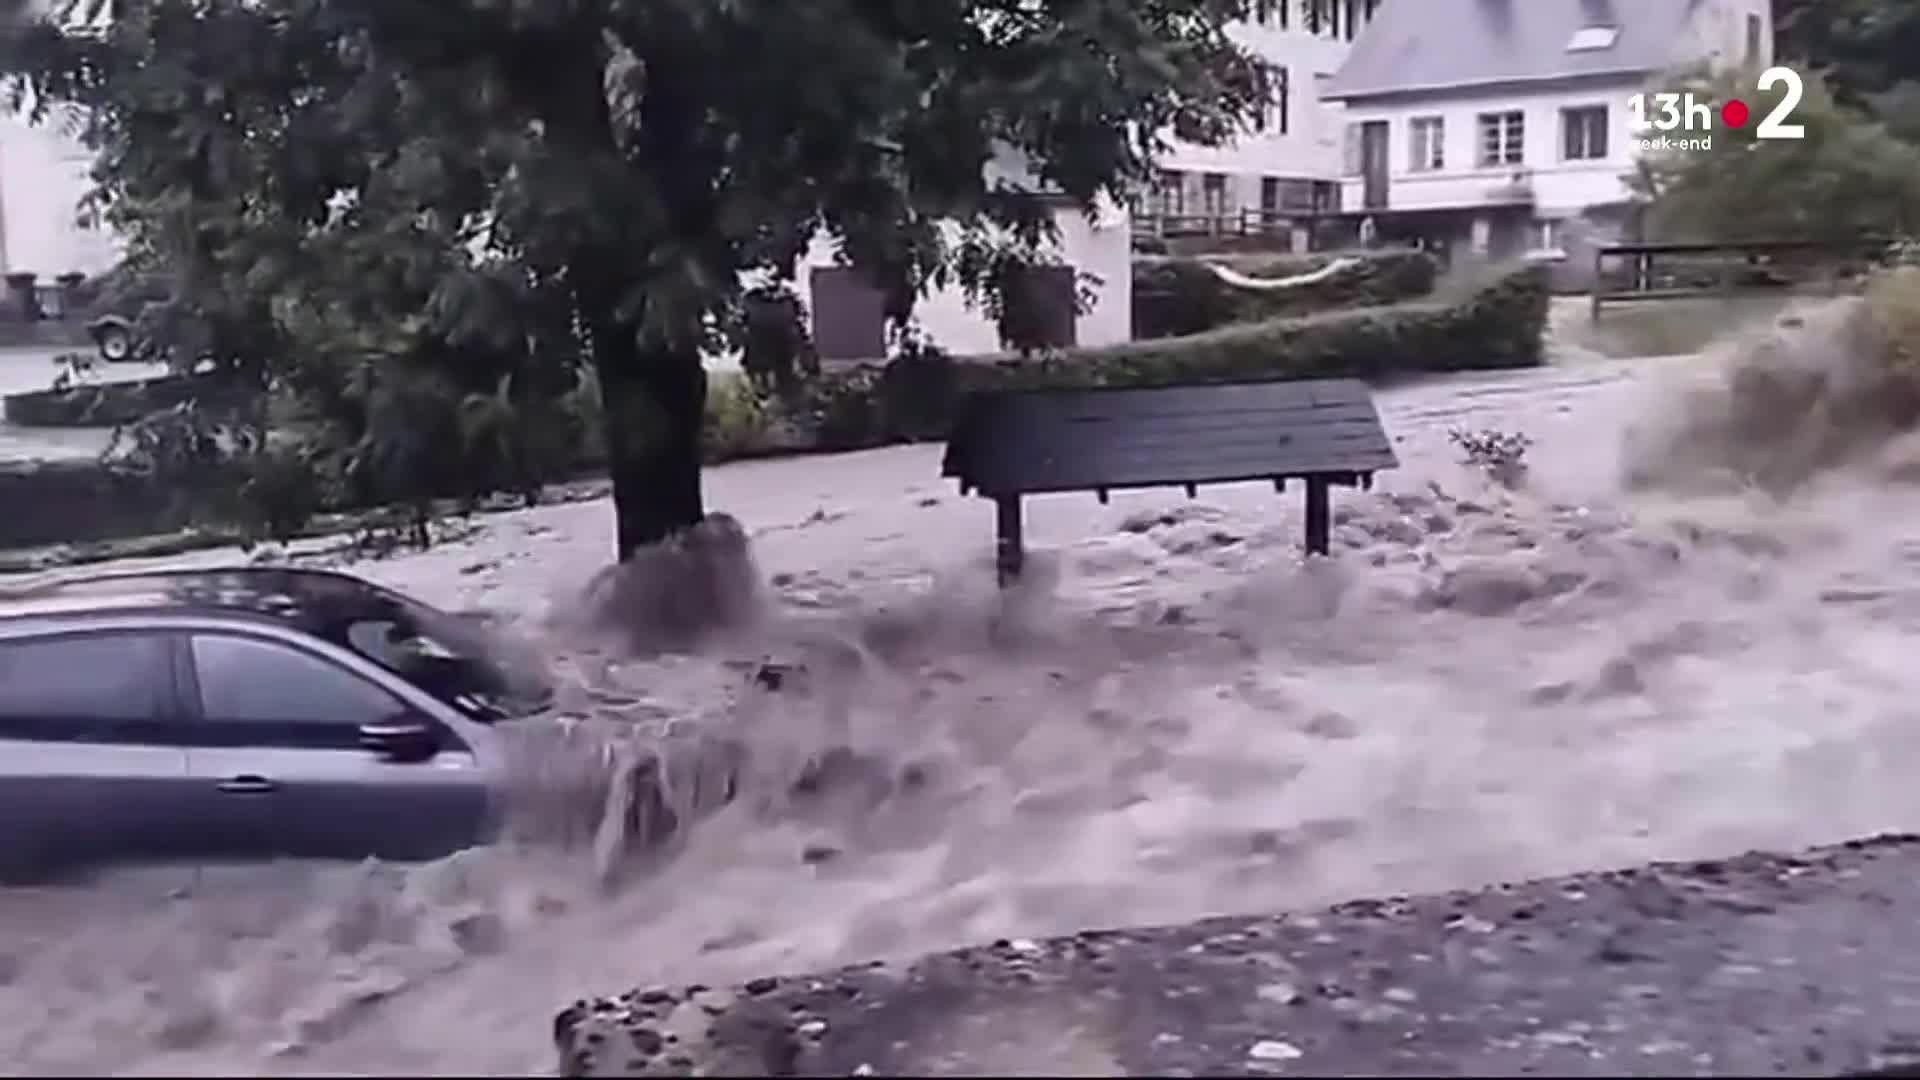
[1277,175]
[43,228]
[1503,125]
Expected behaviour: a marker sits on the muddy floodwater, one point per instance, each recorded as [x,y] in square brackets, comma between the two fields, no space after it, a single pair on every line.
[1173,718]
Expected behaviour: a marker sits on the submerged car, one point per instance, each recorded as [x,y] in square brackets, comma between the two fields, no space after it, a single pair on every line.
[244,714]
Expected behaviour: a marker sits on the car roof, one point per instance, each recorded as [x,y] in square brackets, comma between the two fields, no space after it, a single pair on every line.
[310,600]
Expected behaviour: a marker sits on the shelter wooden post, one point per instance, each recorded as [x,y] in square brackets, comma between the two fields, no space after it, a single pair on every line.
[1010,549]
[1319,515]
[1599,278]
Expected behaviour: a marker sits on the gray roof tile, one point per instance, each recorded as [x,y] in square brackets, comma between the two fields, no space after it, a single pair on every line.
[1416,45]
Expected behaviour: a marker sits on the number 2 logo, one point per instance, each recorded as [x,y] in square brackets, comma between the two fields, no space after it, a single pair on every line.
[1775,125]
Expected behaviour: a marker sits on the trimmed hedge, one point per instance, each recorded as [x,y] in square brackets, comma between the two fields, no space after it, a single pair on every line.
[1498,326]
[1174,297]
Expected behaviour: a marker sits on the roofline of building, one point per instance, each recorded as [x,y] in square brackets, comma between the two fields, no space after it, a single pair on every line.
[1487,84]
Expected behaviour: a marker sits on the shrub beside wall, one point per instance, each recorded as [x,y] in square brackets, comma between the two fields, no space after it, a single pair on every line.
[1173,297]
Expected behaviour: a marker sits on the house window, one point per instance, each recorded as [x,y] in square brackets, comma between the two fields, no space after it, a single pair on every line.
[1272,12]
[1270,196]
[1503,138]
[1753,39]
[1274,118]
[1171,194]
[1350,157]
[1213,195]
[1583,133]
[1427,136]
[1547,238]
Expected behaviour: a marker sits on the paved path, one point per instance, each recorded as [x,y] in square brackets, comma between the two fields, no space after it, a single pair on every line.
[1759,965]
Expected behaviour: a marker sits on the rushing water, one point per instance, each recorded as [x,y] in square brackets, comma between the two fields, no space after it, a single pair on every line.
[1172,718]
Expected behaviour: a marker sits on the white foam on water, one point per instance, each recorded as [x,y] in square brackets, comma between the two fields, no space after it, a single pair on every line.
[1173,717]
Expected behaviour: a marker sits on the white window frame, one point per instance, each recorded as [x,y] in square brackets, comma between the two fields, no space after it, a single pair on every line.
[1502,139]
[1214,194]
[1575,119]
[1547,239]
[1426,144]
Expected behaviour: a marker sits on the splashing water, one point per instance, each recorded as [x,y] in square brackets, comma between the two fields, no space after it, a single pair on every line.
[881,754]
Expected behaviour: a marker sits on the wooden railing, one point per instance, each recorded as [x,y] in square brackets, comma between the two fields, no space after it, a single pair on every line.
[1632,272]
[1245,222]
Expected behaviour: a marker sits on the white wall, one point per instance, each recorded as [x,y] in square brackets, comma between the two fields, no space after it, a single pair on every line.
[1717,33]
[1559,186]
[1101,247]
[43,175]
[1310,148]
[1307,150]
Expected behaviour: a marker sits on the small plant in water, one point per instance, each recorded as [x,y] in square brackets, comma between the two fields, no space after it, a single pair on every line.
[1500,454]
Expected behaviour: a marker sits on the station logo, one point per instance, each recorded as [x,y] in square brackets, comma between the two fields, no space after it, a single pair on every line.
[1683,121]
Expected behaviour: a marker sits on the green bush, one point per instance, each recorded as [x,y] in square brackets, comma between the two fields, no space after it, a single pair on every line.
[736,416]
[1175,297]
[1498,326]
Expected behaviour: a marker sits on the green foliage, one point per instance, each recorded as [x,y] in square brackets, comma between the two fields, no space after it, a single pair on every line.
[1893,306]
[736,417]
[775,348]
[470,191]
[1178,296]
[1846,179]
[1868,51]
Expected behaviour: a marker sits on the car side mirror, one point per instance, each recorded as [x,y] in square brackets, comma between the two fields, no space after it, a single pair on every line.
[403,738]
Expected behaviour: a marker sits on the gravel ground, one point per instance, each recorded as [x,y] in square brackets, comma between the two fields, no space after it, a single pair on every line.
[1761,965]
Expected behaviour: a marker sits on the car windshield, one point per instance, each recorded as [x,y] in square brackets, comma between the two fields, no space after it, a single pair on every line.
[449,657]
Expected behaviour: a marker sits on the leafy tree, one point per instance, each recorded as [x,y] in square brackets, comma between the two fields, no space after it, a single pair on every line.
[1866,47]
[1848,178]
[1868,50]
[422,168]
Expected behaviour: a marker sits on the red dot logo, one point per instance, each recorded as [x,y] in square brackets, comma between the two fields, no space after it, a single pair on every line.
[1734,113]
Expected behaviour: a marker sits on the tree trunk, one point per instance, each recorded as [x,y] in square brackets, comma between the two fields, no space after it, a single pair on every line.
[654,403]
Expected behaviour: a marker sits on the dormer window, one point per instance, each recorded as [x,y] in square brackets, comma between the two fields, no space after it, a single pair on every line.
[1593,38]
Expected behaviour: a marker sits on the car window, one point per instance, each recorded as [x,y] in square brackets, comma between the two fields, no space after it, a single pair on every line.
[75,684]
[452,662]
[254,681]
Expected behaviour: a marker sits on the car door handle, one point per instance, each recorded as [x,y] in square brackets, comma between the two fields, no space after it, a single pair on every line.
[248,785]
